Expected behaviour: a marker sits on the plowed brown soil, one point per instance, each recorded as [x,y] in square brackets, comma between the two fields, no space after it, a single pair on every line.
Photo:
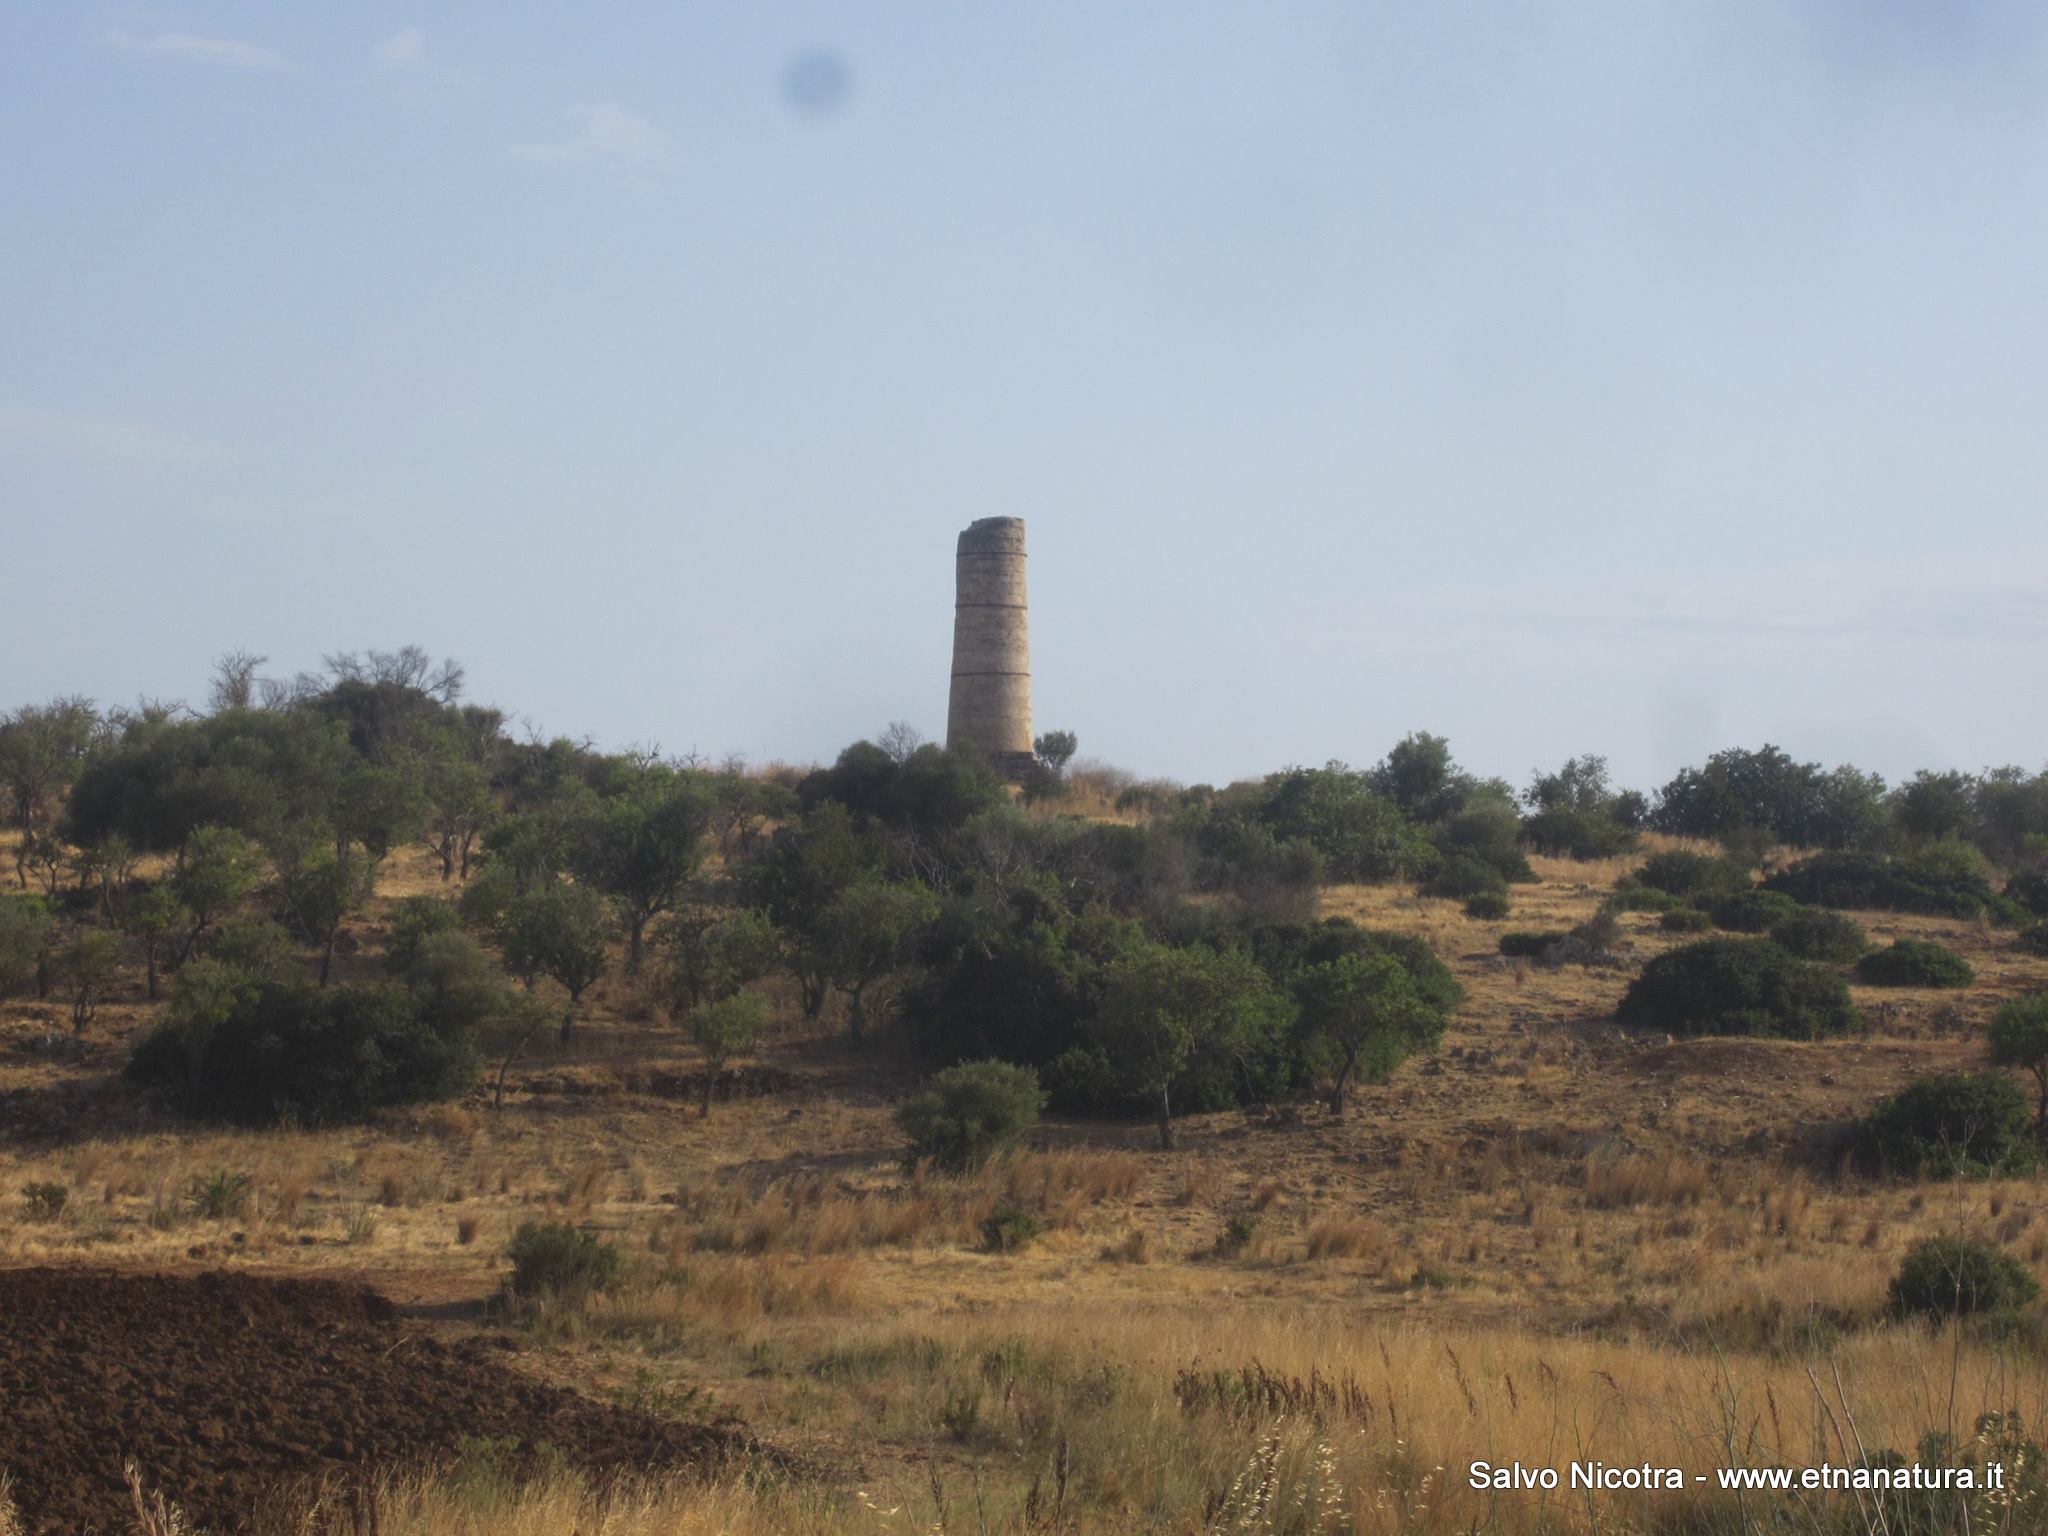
[228,1392]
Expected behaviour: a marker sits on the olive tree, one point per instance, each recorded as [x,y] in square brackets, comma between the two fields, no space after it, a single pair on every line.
[2019,1038]
[866,933]
[722,1029]
[1361,1011]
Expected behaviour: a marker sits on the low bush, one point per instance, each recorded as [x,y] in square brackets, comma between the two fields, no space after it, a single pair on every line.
[45,1200]
[552,1258]
[1814,933]
[1915,963]
[1753,911]
[1569,833]
[1529,946]
[970,1113]
[260,1052]
[1641,898]
[1871,882]
[1461,875]
[2029,890]
[1487,905]
[1697,877]
[1009,1228]
[1738,987]
[1685,920]
[1968,1122]
[1953,1277]
[2034,940]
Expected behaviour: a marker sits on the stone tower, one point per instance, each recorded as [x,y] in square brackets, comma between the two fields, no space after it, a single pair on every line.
[990,708]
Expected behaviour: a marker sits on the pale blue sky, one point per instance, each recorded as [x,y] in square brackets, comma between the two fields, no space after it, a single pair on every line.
[1638,378]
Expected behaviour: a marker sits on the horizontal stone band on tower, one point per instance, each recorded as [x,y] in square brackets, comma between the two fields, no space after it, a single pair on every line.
[990,706]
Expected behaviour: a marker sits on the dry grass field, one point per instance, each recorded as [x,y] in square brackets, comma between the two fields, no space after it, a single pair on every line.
[1550,1241]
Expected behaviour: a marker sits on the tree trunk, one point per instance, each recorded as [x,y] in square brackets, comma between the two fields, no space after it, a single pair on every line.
[1165,1119]
[635,930]
[856,1018]
[704,1108]
[327,956]
[568,1020]
[149,952]
[1337,1088]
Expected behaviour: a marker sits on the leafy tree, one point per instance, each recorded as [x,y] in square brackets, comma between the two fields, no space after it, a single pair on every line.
[217,872]
[798,876]
[1165,1006]
[379,806]
[560,931]
[455,789]
[1798,803]
[642,849]
[2019,1038]
[1361,834]
[25,932]
[254,945]
[455,984]
[86,968]
[971,1113]
[43,749]
[1419,776]
[1870,882]
[866,933]
[714,956]
[158,921]
[723,1028]
[1363,1013]
[321,890]
[412,922]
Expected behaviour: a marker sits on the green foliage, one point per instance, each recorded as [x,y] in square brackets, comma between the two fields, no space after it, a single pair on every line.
[1952,1277]
[85,970]
[1871,882]
[2033,940]
[1487,905]
[1752,911]
[261,1052]
[1420,776]
[1568,833]
[26,928]
[1641,898]
[642,847]
[252,944]
[320,889]
[557,930]
[1684,920]
[220,1194]
[1529,946]
[1009,1228]
[1915,963]
[1361,1013]
[455,985]
[1462,875]
[2018,1037]
[1740,791]
[1970,1122]
[866,932]
[970,1113]
[1738,987]
[1166,1006]
[552,1258]
[1699,878]
[2029,890]
[413,921]
[712,956]
[1360,835]
[45,1200]
[1814,933]
[724,1028]
[932,790]
[217,872]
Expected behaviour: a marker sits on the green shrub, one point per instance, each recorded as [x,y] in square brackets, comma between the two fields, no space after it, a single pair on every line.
[1950,1277]
[2018,1037]
[220,1194]
[552,1258]
[969,1113]
[1697,877]
[1567,832]
[1968,1122]
[1529,946]
[1738,987]
[2034,940]
[1238,1234]
[1461,875]
[1640,898]
[413,921]
[1871,882]
[1814,933]
[1685,920]
[1915,963]
[260,1052]
[45,1200]
[1009,1228]
[1487,905]
[1753,911]
[2029,890]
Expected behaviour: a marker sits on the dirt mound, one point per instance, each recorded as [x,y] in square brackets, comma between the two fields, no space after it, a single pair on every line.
[227,1391]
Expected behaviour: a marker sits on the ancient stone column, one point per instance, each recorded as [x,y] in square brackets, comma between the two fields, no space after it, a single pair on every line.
[990,709]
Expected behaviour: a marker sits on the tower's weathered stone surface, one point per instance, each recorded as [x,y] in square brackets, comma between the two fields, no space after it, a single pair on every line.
[990,709]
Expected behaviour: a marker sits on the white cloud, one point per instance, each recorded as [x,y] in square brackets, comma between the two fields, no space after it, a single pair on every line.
[406,50]
[233,52]
[104,440]
[608,131]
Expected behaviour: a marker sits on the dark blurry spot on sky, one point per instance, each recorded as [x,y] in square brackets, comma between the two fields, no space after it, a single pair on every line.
[817,83]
